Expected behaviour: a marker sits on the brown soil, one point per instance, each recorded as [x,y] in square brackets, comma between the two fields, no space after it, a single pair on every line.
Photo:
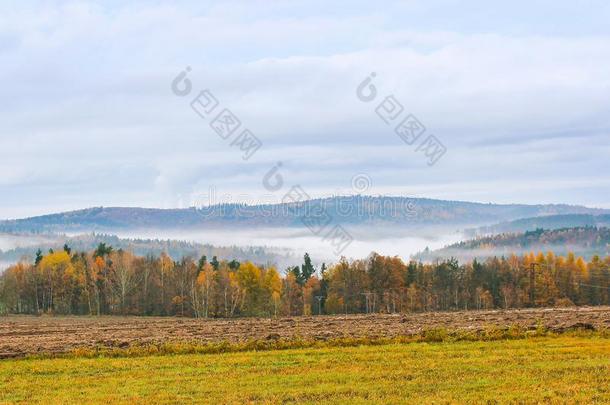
[21,335]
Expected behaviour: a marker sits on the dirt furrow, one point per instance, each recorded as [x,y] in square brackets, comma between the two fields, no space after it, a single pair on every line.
[20,335]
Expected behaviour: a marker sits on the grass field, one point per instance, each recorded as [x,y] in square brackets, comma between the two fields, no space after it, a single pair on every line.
[541,369]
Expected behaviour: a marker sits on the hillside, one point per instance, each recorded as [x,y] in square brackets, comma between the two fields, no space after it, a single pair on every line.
[584,241]
[175,248]
[544,222]
[363,210]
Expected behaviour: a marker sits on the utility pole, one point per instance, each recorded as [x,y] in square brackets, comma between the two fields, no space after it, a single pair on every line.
[367,296]
[345,296]
[532,281]
[319,298]
[387,294]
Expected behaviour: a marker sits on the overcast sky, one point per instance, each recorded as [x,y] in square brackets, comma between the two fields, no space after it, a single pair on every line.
[519,94]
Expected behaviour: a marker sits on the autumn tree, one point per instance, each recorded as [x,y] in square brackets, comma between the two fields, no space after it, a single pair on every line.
[124,279]
[204,291]
[58,281]
[108,281]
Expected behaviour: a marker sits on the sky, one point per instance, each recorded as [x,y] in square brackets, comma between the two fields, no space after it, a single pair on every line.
[517,93]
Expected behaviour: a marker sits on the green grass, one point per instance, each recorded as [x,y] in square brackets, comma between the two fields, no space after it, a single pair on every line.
[540,369]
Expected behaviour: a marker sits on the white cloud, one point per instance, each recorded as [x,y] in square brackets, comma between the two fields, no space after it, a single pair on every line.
[87,116]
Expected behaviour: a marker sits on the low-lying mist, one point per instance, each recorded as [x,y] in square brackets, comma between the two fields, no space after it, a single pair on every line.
[387,241]
[283,246]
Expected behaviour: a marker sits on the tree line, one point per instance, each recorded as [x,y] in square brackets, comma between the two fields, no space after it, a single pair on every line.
[116,282]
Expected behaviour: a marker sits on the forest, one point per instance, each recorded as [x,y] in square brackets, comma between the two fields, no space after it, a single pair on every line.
[106,281]
[585,241]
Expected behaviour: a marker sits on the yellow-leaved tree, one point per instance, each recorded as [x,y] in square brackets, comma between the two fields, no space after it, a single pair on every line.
[273,287]
[58,279]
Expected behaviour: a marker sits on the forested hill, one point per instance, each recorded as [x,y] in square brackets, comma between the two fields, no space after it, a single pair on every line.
[583,241]
[143,247]
[344,210]
[545,222]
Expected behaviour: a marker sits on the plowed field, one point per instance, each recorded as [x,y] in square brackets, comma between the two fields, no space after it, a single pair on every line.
[21,335]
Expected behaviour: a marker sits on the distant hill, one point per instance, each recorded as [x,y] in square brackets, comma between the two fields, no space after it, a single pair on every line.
[584,241]
[544,222]
[364,210]
[142,247]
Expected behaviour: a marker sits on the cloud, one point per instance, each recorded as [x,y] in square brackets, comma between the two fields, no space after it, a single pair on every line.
[87,116]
